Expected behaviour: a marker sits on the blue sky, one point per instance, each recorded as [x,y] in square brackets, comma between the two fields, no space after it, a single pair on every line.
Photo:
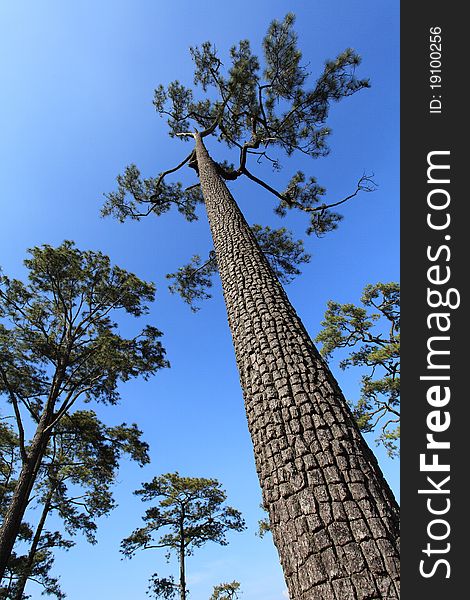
[76,108]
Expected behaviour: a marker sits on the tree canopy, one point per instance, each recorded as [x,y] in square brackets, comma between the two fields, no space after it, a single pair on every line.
[57,336]
[254,109]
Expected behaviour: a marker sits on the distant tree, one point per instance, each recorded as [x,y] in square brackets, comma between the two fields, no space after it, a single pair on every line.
[310,456]
[372,332]
[59,344]
[226,591]
[79,467]
[191,512]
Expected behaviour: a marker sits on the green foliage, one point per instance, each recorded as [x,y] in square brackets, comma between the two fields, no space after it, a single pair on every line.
[80,465]
[189,513]
[58,328]
[59,344]
[40,571]
[193,280]
[153,194]
[194,503]
[287,114]
[260,109]
[162,587]
[226,591]
[307,196]
[9,456]
[264,526]
[372,331]
[283,253]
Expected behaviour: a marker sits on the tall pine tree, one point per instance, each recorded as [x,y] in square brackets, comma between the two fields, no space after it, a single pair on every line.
[333,517]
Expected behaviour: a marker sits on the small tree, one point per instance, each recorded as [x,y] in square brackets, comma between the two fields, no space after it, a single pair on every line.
[59,344]
[191,512]
[373,334]
[226,591]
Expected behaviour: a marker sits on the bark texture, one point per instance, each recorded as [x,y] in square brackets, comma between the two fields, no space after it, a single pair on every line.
[333,517]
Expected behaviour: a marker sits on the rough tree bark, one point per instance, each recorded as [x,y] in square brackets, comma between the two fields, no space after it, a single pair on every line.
[333,517]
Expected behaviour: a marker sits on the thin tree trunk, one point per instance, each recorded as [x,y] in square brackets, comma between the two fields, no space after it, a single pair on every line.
[19,502]
[182,565]
[34,546]
[333,517]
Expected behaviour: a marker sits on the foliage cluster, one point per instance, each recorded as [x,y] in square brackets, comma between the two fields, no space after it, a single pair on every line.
[372,332]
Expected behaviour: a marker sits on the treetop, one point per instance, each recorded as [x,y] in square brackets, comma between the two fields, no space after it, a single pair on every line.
[190,510]
[257,108]
[61,322]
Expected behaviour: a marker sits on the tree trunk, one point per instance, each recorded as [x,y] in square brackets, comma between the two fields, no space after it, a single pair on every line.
[19,502]
[333,517]
[182,567]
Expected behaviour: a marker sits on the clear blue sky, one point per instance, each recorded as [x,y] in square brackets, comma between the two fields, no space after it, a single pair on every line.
[77,81]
